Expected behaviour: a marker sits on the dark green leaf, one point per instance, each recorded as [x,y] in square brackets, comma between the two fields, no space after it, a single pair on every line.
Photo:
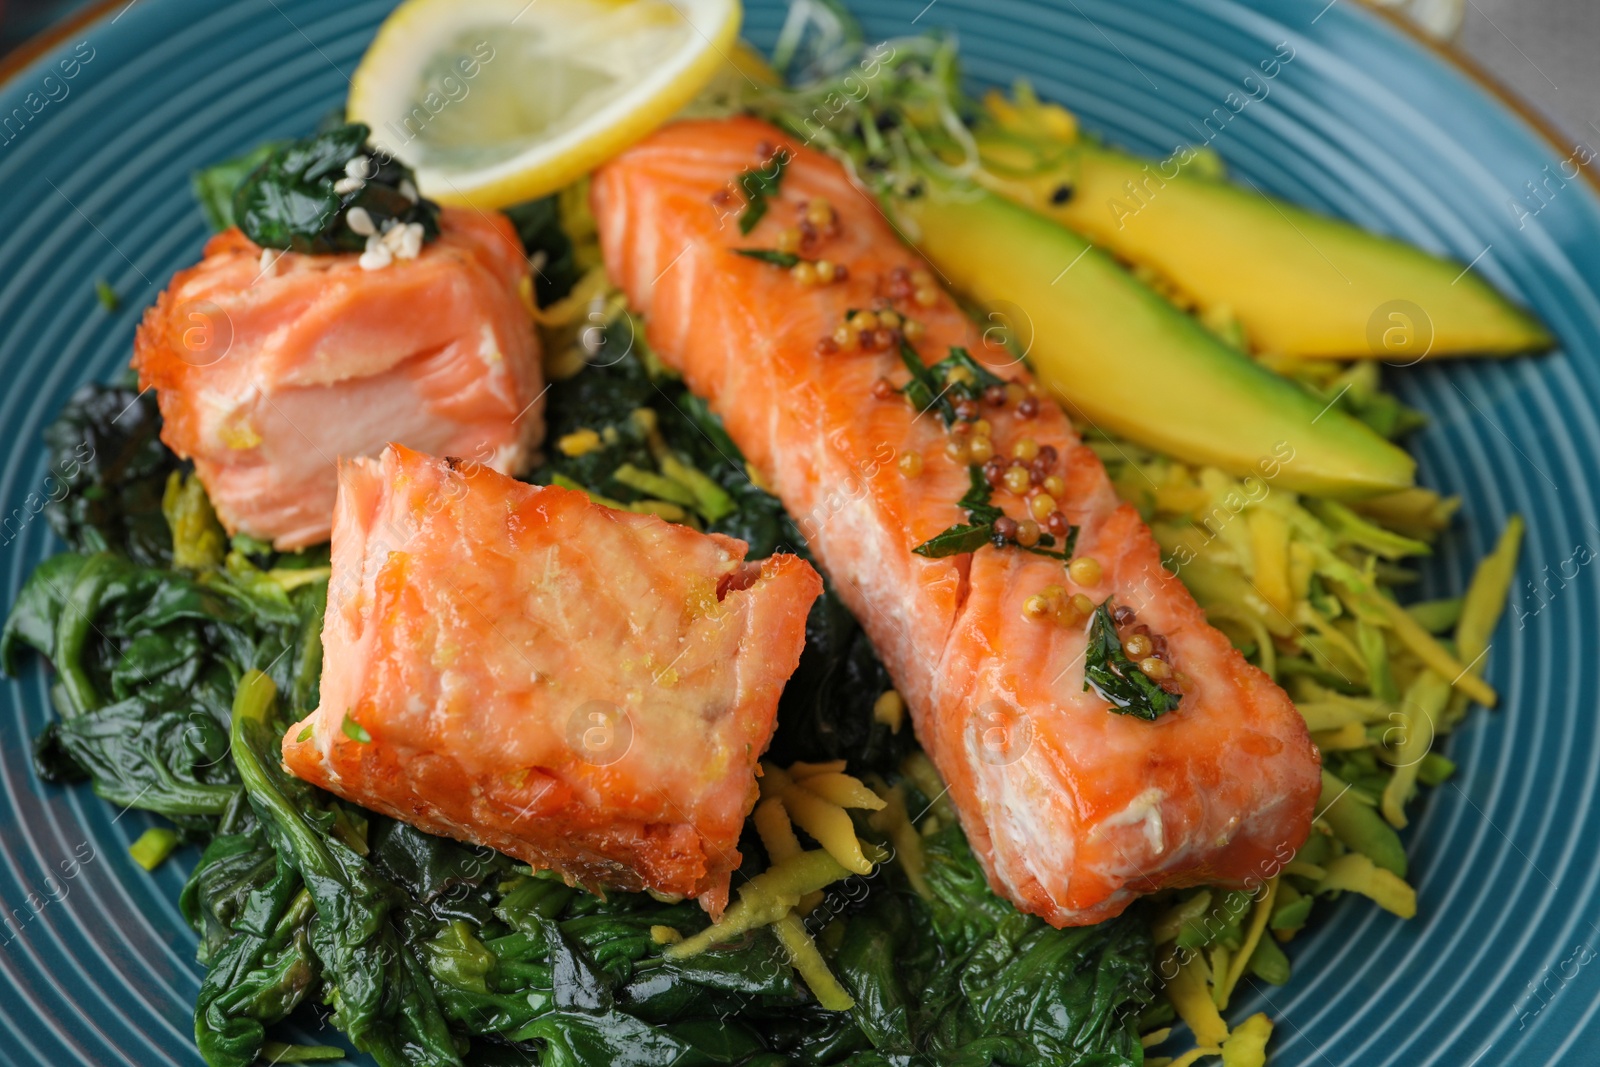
[108,471]
[1109,671]
[965,979]
[955,541]
[547,246]
[770,255]
[290,201]
[976,499]
[924,390]
[215,185]
[758,184]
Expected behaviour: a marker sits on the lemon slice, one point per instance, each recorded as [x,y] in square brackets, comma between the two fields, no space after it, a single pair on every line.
[498,101]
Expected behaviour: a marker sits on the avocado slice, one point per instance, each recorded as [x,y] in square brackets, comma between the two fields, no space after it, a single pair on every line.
[1299,283]
[1125,360]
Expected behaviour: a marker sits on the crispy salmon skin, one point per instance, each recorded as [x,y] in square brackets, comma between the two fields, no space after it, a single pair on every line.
[588,690]
[1073,809]
[270,368]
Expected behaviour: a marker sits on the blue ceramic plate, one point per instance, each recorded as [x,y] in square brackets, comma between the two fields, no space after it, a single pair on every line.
[1363,122]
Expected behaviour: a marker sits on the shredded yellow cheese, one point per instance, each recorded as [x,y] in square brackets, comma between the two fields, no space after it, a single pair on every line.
[893,819]
[1415,723]
[1187,989]
[1247,1045]
[579,442]
[802,771]
[765,899]
[890,710]
[1252,937]
[1358,874]
[840,789]
[810,965]
[830,825]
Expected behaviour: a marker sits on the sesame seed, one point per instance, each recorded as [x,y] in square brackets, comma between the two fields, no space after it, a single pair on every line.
[409,190]
[269,261]
[358,167]
[360,222]
[348,185]
[410,243]
[378,254]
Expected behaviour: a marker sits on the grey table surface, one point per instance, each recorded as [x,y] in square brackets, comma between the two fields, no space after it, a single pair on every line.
[1545,52]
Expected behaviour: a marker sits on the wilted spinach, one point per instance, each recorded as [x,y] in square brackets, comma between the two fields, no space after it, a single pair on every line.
[296,198]
[106,449]
[965,980]
[548,247]
[215,185]
[174,690]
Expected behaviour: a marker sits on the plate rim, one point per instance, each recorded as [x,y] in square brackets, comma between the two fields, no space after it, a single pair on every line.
[16,62]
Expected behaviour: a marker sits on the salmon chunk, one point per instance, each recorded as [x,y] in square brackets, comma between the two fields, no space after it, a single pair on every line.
[1073,802]
[270,367]
[588,690]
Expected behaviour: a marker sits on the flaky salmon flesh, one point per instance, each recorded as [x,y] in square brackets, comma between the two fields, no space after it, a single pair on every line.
[588,690]
[1073,809]
[269,368]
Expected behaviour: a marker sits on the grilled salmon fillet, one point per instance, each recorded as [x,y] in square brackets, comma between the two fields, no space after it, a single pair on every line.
[588,690]
[270,368]
[1073,809]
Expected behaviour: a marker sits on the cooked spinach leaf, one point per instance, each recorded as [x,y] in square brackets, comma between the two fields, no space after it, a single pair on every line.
[215,185]
[426,950]
[1109,671]
[965,979]
[146,663]
[301,195]
[108,472]
[548,247]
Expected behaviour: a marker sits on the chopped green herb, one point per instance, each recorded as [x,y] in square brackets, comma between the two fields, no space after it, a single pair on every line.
[956,541]
[305,733]
[355,731]
[924,390]
[982,377]
[759,183]
[972,535]
[770,255]
[1046,545]
[108,296]
[980,528]
[931,388]
[1109,671]
[977,496]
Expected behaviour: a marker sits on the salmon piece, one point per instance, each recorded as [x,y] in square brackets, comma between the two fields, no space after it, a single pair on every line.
[588,690]
[1073,810]
[267,375]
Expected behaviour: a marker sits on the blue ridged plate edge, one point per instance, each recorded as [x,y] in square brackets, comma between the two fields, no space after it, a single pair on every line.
[1363,122]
